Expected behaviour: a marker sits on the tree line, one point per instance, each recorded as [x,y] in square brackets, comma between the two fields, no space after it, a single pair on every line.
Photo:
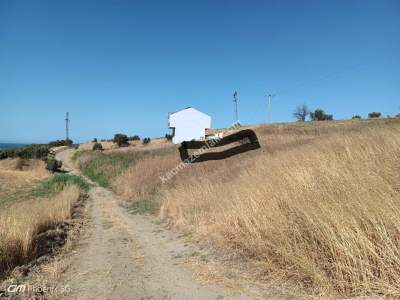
[302,112]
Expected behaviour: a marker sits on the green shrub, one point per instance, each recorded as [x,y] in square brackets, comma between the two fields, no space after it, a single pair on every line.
[3,154]
[134,138]
[146,140]
[374,115]
[53,165]
[320,115]
[94,140]
[356,117]
[32,151]
[169,137]
[121,140]
[97,146]
[59,143]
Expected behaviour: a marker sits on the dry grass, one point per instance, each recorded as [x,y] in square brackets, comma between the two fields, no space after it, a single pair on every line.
[21,222]
[17,174]
[318,206]
[106,145]
[142,179]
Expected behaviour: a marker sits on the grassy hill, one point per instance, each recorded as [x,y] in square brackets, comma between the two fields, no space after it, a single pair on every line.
[317,206]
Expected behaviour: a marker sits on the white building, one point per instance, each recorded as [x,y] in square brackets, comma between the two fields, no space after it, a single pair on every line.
[188,124]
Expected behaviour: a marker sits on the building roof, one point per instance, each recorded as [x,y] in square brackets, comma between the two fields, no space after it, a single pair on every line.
[171,113]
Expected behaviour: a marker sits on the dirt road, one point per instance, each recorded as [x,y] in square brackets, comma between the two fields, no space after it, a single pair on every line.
[124,256]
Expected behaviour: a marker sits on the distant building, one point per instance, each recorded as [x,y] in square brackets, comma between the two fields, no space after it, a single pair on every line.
[188,124]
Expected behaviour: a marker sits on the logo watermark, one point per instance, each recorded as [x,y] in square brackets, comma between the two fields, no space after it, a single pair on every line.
[40,289]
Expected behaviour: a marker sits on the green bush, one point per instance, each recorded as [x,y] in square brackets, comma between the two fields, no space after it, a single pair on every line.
[320,115]
[97,146]
[32,151]
[356,117]
[3,154]
[146,140]
[59,143]
[169,137]
[121,140]
[134,138]
[374,115]
[53,165]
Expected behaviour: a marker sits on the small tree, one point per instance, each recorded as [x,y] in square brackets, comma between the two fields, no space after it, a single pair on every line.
[356,117]
[97,146]
[374,115]
[146,140]
[121,140]
[301,113]
[94,140]
[320,115]
[168,137]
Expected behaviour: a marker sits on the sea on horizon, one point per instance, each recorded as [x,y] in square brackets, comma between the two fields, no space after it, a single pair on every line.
[11,145]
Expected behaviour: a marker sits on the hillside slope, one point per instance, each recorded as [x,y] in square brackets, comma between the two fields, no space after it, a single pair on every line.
[317,206]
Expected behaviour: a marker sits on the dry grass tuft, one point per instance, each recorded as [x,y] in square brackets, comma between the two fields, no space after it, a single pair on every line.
[21,222]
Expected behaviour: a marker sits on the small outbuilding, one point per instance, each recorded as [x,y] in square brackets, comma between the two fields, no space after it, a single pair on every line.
[188,124]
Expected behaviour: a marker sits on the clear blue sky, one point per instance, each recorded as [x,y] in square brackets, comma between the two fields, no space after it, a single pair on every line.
[121,66]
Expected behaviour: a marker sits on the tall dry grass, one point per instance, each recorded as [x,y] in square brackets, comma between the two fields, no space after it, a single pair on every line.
[320,208]
[20,223]
[142,179]
[318,205]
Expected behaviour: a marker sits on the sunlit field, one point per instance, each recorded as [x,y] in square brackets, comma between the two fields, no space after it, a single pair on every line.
[317,206]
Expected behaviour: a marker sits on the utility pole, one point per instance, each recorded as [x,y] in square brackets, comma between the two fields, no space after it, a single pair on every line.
[269,107]
[235,100]
[67,126]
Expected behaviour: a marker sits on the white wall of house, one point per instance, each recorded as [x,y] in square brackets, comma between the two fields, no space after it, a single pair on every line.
[189,124]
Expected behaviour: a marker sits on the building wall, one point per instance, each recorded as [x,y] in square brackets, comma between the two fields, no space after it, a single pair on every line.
[190,124]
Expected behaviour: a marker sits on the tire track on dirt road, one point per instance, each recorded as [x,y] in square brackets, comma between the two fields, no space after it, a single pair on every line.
[123,256]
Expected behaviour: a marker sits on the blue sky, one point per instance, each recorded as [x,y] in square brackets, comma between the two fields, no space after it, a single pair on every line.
[121,66]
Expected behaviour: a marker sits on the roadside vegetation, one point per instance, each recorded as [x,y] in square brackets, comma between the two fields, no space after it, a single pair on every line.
[32,201]
[317,206]
[33,151]
[104,168]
